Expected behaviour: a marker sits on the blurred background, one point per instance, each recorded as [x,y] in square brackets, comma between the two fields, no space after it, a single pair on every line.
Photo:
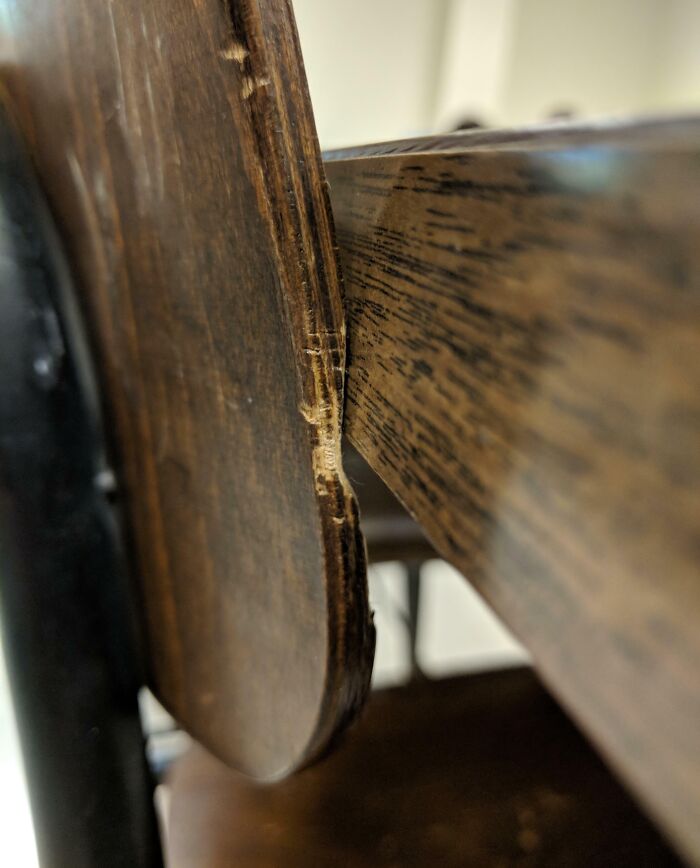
[384,69]
[387,69]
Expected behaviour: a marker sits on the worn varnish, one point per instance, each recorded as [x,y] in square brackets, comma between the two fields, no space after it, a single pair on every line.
[477,772]
[176,144]
[524,372]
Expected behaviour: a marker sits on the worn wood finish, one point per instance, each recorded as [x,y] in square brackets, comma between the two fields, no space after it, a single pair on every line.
[524,372]
[176,143]
[474,772]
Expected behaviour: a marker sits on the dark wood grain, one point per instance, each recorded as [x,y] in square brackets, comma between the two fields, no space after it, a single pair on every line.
[176,144]
[524,372]
[641,133]
[476,772]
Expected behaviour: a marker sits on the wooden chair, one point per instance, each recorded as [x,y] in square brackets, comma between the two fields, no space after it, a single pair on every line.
[521,312]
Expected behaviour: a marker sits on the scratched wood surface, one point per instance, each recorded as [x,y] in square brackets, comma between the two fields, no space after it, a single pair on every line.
[483,771]
[176,144]
[524,372]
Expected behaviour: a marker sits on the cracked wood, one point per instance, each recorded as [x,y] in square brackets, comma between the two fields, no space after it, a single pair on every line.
[176,143]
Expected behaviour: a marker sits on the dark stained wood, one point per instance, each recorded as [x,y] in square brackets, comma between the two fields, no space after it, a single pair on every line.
[476,772]
[176,144]
[647,133]
[389,531]
[524,373]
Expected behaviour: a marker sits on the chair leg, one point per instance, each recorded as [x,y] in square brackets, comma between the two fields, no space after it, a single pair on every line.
[413,584]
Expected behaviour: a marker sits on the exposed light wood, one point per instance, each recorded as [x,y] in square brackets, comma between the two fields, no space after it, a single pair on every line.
[176,143]
[524,372]
[476,772]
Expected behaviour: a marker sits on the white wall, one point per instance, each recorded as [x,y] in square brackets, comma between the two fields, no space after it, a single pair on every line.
[678,76]
[371,66]
[476,45]
[383,69]
[516,61]
[17,849]
[599,57]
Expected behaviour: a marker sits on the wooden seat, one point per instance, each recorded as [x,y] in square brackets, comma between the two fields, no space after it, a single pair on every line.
[476,771]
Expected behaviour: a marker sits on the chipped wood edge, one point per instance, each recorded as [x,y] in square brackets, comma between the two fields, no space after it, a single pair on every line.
[282,136]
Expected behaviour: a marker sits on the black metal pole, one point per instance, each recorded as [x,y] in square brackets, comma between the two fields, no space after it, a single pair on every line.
[63,595]
[413,584]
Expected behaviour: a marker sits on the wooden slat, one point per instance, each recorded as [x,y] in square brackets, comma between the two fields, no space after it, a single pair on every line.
[176,144]
[473,772]
[524,372]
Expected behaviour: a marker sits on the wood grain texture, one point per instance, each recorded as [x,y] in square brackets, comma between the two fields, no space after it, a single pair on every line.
[524,372]
[477,772]
[176,144]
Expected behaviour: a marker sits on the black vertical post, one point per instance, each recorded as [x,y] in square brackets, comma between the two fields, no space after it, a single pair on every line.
[413,583]
[63,595]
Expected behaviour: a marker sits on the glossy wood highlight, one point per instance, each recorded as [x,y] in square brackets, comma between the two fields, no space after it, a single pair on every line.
[524,372]
[176,144]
